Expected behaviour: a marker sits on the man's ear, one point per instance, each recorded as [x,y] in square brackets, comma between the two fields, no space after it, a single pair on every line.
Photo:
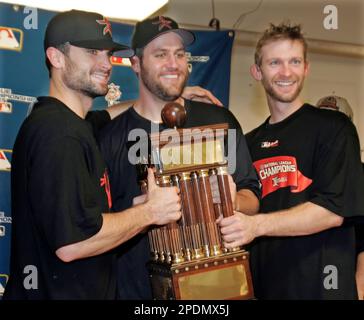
[135,63]
[307,68]
[55,57]
[255,72]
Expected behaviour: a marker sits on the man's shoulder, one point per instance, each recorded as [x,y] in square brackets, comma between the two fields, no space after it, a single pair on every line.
[210,113]
[50,116]
[46,106]
[325,119]
[208,108]
[122,117]
[253,133]
[118,125]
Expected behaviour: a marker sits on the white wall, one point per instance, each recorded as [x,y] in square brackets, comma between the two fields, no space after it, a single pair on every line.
[328,75]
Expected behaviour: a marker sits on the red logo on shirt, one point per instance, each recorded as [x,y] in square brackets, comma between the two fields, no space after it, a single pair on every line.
[269,144]
[280,172]
[104,182]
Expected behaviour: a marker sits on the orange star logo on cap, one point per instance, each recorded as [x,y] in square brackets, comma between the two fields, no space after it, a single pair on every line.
[107,24]
[163,23]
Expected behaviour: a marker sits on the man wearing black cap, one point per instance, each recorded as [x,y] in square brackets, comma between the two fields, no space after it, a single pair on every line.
[62,230]
[161,67]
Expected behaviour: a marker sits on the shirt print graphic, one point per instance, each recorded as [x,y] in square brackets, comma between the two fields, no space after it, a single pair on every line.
[280,172]
[104,182]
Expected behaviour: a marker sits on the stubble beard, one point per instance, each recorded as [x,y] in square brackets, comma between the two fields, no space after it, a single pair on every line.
[157,88]
[79,80]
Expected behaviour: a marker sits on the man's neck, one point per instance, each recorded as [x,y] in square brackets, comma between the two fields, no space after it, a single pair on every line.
[76,101]
[281,110]
[150,107]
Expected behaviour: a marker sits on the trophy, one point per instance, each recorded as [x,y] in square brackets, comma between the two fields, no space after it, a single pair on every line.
[188,259]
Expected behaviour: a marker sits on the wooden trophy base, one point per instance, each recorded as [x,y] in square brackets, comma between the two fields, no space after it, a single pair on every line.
[225,277]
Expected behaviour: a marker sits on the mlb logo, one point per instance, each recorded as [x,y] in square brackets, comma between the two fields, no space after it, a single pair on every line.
[6,107]
[4,162]
[2,231]
[3,280]
[11,38]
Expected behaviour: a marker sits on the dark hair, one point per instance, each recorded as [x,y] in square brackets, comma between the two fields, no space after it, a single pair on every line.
[139,52]
[64,48]
[283,31]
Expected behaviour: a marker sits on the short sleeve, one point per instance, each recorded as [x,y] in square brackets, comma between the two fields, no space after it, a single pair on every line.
[338,180]
[241,166]
[64,193]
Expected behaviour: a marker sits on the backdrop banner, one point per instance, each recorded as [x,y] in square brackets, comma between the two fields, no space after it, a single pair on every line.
[24,76]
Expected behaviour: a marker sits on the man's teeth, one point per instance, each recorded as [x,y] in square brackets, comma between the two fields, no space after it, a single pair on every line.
[285,83]
[170,76]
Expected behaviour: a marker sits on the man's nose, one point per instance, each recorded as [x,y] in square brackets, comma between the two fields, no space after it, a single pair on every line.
[172,61]
[285,69]
[105,60]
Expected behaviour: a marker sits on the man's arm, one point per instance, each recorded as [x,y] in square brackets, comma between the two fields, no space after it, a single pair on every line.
[304,219]
[161,207]
[360,275]
[247,202]
[119,108]
[243,200]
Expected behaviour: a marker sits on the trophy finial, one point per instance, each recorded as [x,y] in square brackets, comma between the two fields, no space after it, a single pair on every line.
[173,115]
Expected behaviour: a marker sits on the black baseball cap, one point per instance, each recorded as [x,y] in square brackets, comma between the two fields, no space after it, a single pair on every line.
[147,30]
[83,29]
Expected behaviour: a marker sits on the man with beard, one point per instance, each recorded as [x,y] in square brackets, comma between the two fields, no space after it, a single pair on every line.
[63,230]
[161,67]
[308,160]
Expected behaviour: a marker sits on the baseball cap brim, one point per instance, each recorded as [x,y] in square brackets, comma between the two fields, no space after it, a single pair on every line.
[105,44]
[187,36]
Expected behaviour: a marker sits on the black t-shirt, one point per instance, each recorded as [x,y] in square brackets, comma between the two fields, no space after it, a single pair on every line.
[133,281]
[312,155]
[59,190]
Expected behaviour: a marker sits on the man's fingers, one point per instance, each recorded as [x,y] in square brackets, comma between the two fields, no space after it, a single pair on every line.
[197,93]
[139,199]
[213,99]
[151,180]
[218,220]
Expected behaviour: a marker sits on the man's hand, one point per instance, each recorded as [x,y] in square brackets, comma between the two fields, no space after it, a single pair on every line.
[238,229]
[164,204]
[197,93]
